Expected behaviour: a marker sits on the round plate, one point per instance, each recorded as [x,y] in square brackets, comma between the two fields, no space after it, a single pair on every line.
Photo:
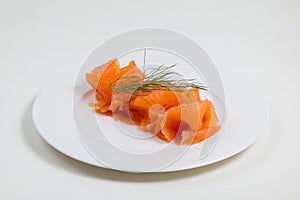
[246,117]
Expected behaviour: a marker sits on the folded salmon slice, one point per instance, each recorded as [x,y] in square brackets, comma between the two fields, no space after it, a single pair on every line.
[210,125]
[101,79]
[194,122]
[141,105]
[165,98]
[120,100]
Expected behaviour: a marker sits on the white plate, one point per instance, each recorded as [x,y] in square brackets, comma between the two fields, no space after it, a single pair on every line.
[246,117]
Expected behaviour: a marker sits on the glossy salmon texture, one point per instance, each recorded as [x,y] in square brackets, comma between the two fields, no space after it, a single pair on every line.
[167,114]
[194,122]
[101,79]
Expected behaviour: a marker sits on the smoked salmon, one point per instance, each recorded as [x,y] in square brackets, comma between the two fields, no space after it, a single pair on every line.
[167,113]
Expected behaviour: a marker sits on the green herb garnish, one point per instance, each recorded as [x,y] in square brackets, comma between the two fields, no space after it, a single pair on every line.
[155,78]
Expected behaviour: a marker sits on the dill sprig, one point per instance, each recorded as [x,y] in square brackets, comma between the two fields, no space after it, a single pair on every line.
[162,77]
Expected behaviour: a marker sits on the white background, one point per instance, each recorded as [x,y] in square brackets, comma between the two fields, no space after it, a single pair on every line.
[41,40]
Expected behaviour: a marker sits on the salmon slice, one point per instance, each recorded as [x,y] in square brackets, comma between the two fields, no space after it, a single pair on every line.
[101,106]
[101,77]
[130,69]
[194,122]
[140,106]
[210,125]
[182,117]
[157,116]
[120,100]
[189,96]
[165,98]
[125,74]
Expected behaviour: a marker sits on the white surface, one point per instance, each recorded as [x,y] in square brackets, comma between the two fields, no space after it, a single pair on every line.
[259,40]
[56,124]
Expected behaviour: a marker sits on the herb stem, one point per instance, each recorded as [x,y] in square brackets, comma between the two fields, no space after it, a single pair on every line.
[158,78]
